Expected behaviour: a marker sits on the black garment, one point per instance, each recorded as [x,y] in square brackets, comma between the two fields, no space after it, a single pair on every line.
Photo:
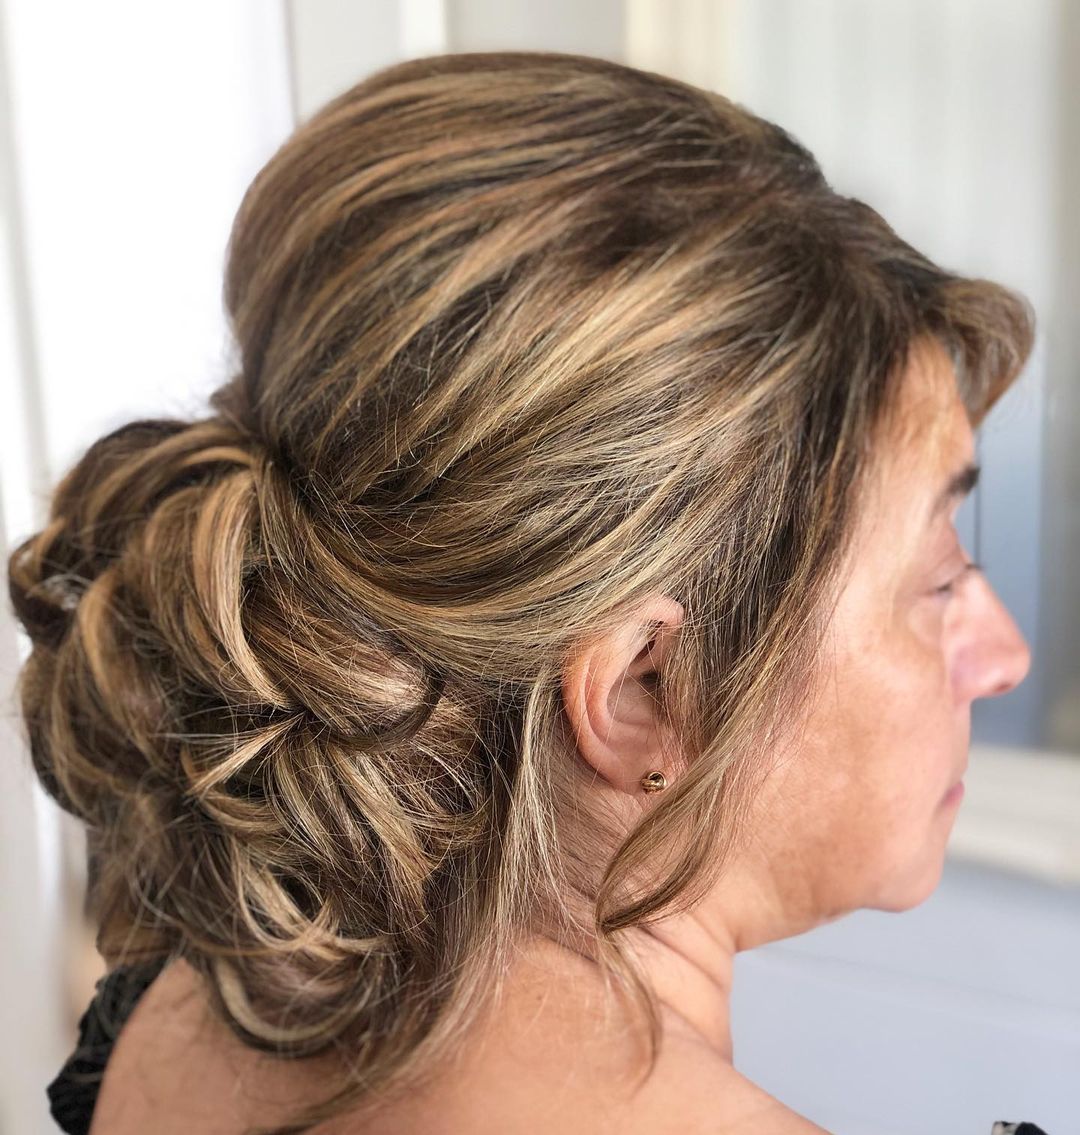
[74,1092]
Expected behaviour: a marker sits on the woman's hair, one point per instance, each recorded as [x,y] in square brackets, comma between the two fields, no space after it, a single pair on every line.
[523,338]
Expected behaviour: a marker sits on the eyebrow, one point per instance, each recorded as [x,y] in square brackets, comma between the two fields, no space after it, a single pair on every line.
[958,486]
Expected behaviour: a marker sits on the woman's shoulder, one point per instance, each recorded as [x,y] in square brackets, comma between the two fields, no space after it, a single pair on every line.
[556,1057]
[176,1067]
[709,1097]
[689,1092]
[693,1091]
[548,1061]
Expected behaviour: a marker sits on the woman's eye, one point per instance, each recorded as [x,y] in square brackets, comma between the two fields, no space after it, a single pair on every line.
[946,589]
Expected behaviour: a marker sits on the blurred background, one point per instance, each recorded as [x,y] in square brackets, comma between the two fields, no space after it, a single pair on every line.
[128,133]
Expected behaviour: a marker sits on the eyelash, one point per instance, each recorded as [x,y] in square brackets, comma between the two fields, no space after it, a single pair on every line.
[947,588]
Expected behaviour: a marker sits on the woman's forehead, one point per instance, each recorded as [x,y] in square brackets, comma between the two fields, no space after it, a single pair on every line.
[927,440]
[930,415]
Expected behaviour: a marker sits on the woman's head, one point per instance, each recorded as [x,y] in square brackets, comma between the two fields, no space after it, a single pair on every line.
[856,802]
[529,345]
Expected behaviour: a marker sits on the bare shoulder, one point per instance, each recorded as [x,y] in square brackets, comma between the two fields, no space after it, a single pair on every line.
[575,1091]
[694,1092]
[549,1061]
[552,1060]
[564,1085]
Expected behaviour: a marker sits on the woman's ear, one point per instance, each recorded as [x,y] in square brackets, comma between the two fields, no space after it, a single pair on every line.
[609,693]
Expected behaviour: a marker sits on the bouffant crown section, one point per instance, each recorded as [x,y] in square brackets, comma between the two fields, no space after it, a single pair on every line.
[521,338]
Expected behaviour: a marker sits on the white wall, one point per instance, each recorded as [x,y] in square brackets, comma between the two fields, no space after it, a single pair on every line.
[334,43]
[592,28]
[137,131]
[937,1021]
[337,42]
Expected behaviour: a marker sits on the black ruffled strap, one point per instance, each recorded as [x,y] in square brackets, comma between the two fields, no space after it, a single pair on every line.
[1003,1128]
[73,1094]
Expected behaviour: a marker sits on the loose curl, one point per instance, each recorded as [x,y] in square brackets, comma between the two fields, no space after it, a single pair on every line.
[524,337]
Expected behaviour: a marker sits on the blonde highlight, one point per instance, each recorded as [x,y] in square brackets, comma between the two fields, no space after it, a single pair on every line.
[523,337]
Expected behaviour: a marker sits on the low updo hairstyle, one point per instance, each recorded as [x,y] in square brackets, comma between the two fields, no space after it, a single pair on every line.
[521,338]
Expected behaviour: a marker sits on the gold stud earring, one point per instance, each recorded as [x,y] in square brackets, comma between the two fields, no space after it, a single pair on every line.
[654,781]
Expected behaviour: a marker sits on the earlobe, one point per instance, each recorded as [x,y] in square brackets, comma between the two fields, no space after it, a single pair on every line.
[609,695]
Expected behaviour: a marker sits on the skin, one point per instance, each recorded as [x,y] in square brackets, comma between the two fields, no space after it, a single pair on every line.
[852,814]
[855,815]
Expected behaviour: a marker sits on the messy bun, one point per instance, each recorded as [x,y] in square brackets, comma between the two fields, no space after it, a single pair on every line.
[522,339]
[213,696]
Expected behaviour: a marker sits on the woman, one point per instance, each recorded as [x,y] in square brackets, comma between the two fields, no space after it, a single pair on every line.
[561,596]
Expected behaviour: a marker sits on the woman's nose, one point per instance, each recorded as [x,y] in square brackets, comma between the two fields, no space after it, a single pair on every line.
[1000,656]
